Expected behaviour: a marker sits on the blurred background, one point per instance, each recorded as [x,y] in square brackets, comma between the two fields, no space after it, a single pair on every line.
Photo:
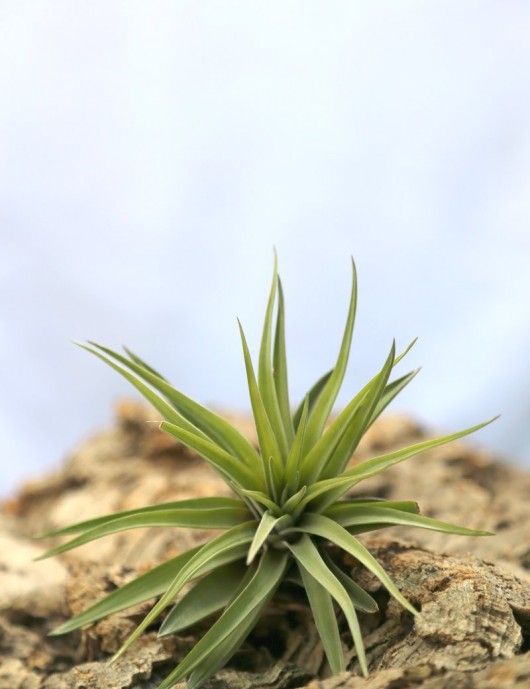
[152,154]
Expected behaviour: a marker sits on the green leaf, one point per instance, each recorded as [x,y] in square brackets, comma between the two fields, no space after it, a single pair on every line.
[328,454]
[216,428]
[292,468]
[391,391]
[358,420]
[333,489]
[336,514]
[144,587]
[263,499]
[294,501]
[356,516]
[333,450]
[374,466]
[204,505]
[164,408]
[222,652]
[321,604]
[404,353]
[313,463]
[266,380]
[230,467]
[326,400]
[280,368]
[301,466]
[261,588]
[359,597]
[134,357]
[309,559]
[318,525]
[266,525]
[228,547]
[312,395]
[349,442]
[335,510]
[219,518]
[209,595]
[322,489]
[267,440]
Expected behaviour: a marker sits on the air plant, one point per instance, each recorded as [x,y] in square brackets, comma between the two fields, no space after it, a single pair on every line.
[290,503]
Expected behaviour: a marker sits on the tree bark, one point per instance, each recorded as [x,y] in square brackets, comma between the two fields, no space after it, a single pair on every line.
[473,631]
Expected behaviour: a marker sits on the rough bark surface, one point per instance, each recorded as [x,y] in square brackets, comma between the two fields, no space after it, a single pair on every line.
[474,594]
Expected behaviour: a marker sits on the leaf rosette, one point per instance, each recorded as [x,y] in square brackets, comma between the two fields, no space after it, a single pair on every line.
[290,501]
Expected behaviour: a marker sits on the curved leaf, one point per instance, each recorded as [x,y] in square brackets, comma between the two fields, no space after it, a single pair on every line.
[374,466]
[309,559]
[266,525]
[280,368]
[230,468]
[134,357]
[263,499]
[312,396]
[318,525]
[159,403]
[222,652]
[267,440]
[266,381]
[294,501]
[360,598]
[326,399]
[357,516]
[218,518]
[345,507]
[144,587]
[332,451]
[216,428]
[391,391]
[321,604]
[260,589]
[209,595]
[354,431]
[292,467]
[200,504]
[226,548]
[332,489]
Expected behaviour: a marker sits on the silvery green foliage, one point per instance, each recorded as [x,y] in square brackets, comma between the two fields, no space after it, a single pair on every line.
[289,502]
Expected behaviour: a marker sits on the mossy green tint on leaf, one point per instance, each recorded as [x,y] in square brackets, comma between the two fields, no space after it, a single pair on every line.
[290,504]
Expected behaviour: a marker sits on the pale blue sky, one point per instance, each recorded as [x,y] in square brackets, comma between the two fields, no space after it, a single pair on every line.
[151,154]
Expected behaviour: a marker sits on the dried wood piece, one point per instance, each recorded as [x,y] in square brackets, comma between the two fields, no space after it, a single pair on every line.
[473,632]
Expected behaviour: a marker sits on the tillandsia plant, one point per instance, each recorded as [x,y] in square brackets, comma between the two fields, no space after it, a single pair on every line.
[290,502]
